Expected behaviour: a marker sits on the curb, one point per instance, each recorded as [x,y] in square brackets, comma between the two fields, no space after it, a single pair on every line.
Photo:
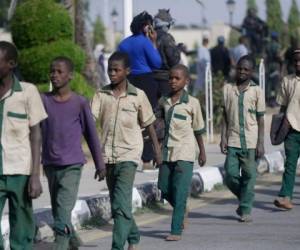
[204,180]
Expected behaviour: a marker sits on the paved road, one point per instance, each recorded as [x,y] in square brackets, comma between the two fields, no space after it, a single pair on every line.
[215,227]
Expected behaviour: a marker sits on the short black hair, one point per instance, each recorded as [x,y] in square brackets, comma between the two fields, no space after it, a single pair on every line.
[120,56]
[140,21]
[66,60]
[10,51]
[249,59]
[183,68]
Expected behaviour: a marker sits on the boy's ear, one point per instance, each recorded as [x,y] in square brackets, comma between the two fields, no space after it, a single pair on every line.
[71,75]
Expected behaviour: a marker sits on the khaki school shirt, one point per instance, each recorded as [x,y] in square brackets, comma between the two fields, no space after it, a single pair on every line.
[182,121]
[289,96]
[121,120]
[242,110]
[20,108]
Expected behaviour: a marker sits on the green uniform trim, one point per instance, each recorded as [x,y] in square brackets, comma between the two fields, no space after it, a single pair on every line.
[242,121]
[131,90]
[179,116]
[183,99]
[262,113]
[16,115]
[200,132]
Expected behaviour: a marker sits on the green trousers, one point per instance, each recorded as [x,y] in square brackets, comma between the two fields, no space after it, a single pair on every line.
[174,181]
[120,178]
[14,189]
[292,152]
[63,184]
[240,176]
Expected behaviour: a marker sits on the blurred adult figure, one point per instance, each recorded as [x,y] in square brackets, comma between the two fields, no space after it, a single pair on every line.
[239,50]
[203,57]
[273,64]
[144,57]
[255,30]
[169,52]
[220,59]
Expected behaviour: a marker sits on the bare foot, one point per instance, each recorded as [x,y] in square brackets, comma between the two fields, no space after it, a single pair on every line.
[172,237]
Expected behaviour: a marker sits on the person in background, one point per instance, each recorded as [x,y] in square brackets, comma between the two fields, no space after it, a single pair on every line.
[203,59]
[220,59]
[166,45]
[240,50]
[144,57]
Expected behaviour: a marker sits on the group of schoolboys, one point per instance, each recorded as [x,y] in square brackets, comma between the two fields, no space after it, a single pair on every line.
[57,120]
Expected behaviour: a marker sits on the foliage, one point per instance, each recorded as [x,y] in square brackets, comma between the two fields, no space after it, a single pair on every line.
[294,20]
[233,38]
[218,83]
[98,32]
[34,62]
[78,85]
[4,5]
[251,4]
[37,22]
[274,16]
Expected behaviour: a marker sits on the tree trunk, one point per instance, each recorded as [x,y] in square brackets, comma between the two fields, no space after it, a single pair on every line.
[82,39]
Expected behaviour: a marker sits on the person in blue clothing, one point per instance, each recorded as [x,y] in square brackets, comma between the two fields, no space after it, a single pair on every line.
[144,57]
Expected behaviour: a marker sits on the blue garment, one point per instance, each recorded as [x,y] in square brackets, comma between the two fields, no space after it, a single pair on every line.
[144,57]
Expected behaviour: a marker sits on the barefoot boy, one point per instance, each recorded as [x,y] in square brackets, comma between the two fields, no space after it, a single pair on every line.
[122,110]
[242,138]
[183,123]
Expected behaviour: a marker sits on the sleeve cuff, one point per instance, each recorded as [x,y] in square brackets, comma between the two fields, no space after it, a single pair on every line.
[149,121]
[260,113]
[199,132]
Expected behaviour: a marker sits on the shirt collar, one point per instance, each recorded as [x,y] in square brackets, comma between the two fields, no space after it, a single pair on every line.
[184,98]
[251,84]
[131,90]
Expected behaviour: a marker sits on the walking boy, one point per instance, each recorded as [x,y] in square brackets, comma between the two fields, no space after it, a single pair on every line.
[21,111]
[69,117]
[242,136]
[123,110]
[289,99]
[183,122]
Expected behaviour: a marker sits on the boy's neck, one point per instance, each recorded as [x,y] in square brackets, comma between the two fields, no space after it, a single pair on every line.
[62,94]
[242,85]
[7,81]
[175,96]
[119,88]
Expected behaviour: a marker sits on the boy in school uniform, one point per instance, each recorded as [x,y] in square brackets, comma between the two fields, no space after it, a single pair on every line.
[122,110]
[242,136]
[183,123]
[21,111]
[289,99]
[69,118]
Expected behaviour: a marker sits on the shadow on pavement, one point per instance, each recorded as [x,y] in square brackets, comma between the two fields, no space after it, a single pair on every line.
[159,234]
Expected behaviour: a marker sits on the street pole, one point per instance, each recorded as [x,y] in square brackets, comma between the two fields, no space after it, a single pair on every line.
[127,10]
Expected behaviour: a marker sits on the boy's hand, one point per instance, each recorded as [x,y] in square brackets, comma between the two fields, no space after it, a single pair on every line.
[158,159]
[260,150]
[100,174]
[223,146]
[202,159]
[34,187]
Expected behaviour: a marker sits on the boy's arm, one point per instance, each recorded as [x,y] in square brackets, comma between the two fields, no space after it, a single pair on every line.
[260,148]
[224,140]
[34,185]
[156,147]
[92,139]
[202,154]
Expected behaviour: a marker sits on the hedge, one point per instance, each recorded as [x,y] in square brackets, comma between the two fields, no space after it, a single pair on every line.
[36,22]
[35,62]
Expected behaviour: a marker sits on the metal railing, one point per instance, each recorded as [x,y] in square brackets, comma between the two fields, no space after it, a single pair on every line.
[209,104]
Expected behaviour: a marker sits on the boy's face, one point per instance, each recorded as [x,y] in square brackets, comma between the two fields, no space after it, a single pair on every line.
[244,71]
[297,62]
[60,74]
[177,80]
[117,72]
[6,66]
